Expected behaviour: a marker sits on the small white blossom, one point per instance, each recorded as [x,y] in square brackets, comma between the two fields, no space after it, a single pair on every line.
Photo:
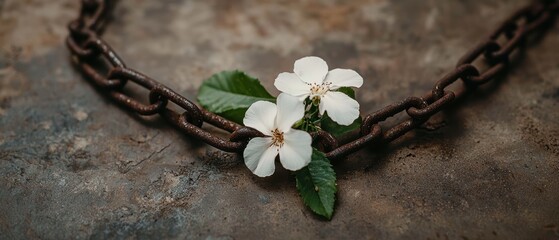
[311,79]
[275,121]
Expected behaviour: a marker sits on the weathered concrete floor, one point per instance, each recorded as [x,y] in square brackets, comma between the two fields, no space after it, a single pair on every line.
[74,165]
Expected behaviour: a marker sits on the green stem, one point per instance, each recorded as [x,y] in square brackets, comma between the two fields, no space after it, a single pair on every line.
[311,120]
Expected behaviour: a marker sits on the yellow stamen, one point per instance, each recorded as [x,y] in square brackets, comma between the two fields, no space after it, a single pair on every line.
[277,138]
[318,90]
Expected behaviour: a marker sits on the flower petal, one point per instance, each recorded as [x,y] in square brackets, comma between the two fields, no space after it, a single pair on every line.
[292,84]
[260,155]
[343,78]
[261,116]
[311,69]
[340,107]
[296,150]
[290,110]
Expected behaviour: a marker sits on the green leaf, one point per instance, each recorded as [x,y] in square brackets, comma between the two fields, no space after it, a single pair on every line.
[317,185]
[337,130]
[230,93]
[348,91]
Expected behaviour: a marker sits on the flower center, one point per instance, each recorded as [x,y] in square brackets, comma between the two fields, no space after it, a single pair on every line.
[277,138]
[318,90]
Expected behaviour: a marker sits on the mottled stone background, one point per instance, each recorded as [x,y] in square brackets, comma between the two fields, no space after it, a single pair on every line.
[75,165]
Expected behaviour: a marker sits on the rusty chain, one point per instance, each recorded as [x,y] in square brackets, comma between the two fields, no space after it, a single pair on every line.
[102,65]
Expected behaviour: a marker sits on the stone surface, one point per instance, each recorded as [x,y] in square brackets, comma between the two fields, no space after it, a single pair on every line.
[75,165]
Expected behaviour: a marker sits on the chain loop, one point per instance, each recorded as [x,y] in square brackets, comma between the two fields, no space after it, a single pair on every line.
[136,106]
[324,140]
[428,111]
[465,72]
[182,122]
[192,113]
[244,134]
[374,134]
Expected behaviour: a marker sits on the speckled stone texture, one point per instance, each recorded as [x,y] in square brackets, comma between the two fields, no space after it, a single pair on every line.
[75,165]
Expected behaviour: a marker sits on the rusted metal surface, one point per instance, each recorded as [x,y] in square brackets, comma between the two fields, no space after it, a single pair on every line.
[485,168]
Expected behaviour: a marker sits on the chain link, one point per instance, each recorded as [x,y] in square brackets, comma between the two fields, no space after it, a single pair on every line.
[102,65]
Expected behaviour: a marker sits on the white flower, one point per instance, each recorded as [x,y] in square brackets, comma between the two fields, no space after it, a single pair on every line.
[275,121]
[311,78]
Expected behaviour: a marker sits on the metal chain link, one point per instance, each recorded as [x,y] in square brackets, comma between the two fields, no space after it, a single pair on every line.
[102,65]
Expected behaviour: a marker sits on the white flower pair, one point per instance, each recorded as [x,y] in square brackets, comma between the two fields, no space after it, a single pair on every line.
[311,79]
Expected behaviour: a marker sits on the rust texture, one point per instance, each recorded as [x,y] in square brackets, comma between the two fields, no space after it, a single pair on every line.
[74,165]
